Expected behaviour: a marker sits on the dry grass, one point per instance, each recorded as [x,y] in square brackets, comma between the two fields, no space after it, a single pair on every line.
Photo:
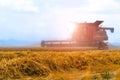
[53,65]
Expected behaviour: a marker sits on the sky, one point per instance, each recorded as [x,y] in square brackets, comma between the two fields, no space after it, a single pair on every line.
[36,20]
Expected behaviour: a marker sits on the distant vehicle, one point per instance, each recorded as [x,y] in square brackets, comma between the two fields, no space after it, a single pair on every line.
[85,35]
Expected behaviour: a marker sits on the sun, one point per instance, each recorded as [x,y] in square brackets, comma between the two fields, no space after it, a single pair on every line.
[71,27]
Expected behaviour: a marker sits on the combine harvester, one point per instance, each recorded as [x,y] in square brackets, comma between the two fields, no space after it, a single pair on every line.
[85,36]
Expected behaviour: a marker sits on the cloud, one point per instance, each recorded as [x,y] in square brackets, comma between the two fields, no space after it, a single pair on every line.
[19,5]
[100,5]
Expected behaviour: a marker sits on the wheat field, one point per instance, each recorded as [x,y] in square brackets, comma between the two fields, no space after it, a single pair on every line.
[60,65]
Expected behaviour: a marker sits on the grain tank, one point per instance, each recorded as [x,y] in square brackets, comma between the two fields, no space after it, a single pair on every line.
[91,35]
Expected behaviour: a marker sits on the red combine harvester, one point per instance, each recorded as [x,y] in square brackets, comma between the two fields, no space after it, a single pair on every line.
[86,35]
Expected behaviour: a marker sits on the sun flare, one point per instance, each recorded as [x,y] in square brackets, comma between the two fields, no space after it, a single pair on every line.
[71,27]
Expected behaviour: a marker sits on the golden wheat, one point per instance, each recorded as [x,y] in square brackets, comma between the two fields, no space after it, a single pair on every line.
[45,65]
